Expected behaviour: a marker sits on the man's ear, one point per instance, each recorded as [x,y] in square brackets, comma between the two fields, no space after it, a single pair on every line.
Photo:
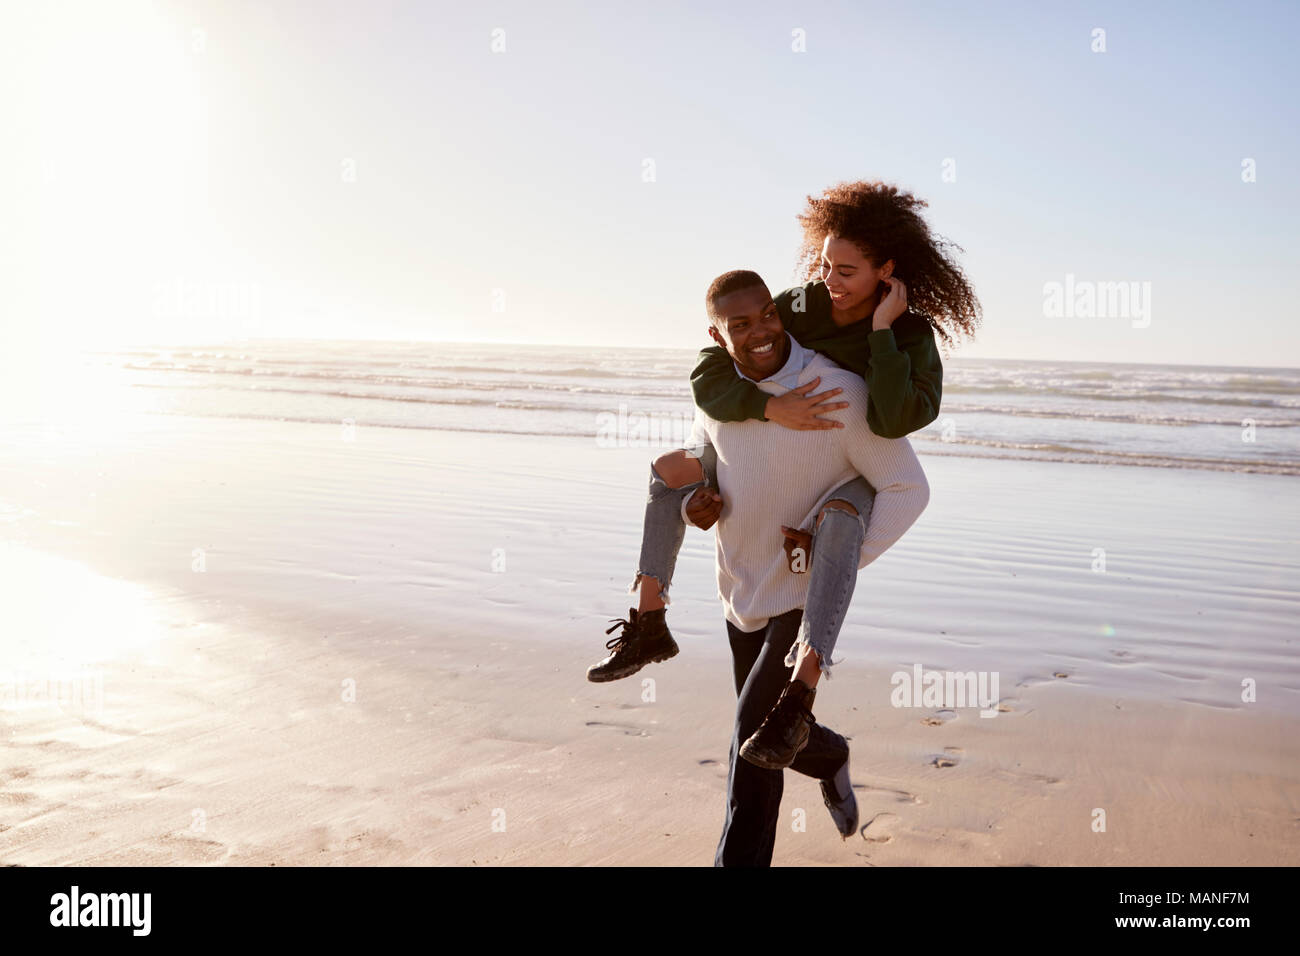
[716,336]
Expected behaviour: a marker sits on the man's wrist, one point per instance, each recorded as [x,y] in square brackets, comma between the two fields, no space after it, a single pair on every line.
[685,518]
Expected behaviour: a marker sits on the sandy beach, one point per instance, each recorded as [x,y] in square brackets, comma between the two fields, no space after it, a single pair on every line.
[301,644]
[338,340]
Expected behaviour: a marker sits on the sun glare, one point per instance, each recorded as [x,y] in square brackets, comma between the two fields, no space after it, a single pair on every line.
[113,108]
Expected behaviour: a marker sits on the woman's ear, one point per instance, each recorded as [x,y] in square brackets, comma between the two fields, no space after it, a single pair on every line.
[887,270]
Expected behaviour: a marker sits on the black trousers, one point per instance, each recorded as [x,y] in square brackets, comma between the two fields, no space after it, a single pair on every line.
[754,794]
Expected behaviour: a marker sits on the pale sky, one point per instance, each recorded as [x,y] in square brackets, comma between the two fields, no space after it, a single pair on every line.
[182,172]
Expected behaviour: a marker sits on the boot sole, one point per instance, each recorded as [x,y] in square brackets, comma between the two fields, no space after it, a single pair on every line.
[628,672]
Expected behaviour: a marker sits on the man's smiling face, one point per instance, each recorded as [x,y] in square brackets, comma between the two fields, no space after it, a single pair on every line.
[747,324]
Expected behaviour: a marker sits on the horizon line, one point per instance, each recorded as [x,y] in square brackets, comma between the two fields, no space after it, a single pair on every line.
[585,345]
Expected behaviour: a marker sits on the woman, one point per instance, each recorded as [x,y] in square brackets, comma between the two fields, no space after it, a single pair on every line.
[866,253]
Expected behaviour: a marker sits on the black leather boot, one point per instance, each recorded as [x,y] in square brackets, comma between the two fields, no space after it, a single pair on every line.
[645,638]
[784,731]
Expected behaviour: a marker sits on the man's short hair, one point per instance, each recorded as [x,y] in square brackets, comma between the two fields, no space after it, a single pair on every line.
[725,284]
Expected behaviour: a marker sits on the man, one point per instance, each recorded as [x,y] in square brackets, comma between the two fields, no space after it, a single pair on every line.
[770,477]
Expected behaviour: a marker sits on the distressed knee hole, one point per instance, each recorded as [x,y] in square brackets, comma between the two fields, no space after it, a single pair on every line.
[678,469]
[837,505]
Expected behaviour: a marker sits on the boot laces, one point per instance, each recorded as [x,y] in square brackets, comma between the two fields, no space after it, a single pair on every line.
[624,638]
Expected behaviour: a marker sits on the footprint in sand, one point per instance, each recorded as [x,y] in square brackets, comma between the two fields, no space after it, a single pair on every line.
[117,731]
[630,729]
[939,717]
[59,745]
[879,829]
[1023,776]
[947,759]
[1031,681]
[902,796]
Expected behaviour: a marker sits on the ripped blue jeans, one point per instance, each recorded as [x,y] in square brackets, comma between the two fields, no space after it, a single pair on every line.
[832,572]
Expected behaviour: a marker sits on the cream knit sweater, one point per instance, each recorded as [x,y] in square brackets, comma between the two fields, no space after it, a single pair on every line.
[770,475]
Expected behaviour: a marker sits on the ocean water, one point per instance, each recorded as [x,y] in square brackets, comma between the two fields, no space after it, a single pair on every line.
[1174,416]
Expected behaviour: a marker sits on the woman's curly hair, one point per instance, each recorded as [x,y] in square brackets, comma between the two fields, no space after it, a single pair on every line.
[886,224]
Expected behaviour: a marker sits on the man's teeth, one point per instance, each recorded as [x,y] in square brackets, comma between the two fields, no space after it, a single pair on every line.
[765,348]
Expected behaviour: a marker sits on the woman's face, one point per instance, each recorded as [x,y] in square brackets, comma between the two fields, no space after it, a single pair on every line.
[850,277]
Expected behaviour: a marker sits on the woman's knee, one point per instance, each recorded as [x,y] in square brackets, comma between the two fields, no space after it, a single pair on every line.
[678,469]
[835,504]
